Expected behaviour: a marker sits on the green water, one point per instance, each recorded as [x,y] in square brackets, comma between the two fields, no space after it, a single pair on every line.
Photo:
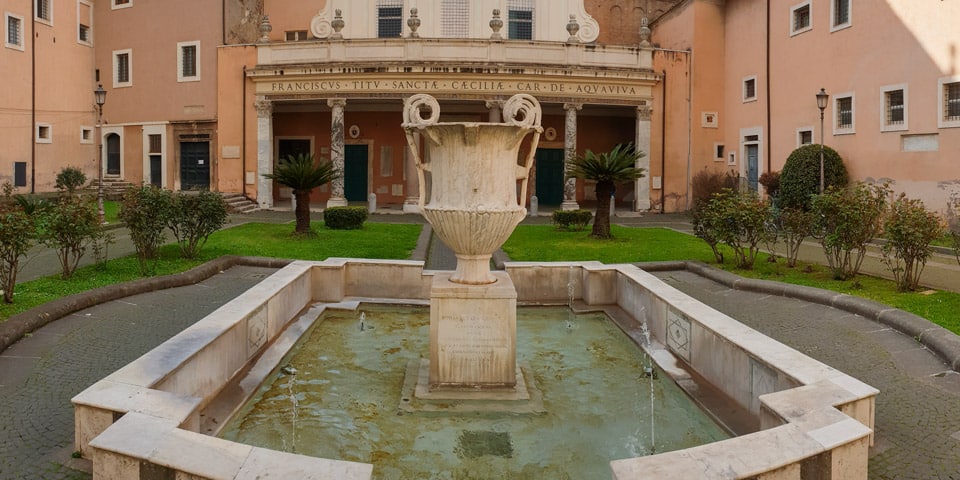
[343,401]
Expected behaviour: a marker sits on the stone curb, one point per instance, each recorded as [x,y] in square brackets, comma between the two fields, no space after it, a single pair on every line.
[939,340]
[23,323]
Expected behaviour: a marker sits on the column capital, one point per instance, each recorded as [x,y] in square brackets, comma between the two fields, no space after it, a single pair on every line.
[337,102]
[264,106]
[494,103]
[572,106]
[644,112]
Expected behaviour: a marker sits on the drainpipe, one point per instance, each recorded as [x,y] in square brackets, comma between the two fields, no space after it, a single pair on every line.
[767,85]
[33,99]
[663,144]
[243,133]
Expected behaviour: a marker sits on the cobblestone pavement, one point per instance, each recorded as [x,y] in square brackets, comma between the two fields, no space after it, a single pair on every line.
[918,409]
[40,374]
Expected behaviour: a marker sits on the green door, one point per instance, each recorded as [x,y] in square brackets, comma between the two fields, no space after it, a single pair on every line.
[355,173]
[550,176]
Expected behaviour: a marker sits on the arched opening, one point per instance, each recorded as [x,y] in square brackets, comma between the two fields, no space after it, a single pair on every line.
[113,154]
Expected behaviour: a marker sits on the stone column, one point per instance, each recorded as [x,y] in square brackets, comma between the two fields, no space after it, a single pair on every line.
[264,151]
[642,143]
[496,111]
[411,181]
[569,153]
[336,150]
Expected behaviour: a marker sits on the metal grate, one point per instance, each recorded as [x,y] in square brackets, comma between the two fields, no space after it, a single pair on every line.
[841,12]
[894,110]
[123,67]
[189,58]
[520,19]
[455,18]
[951,98]
[801,18]
[845,112]
[13,31]
[389,18]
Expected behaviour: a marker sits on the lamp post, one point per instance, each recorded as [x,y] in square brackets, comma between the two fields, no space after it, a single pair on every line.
[822,97]
[100,97]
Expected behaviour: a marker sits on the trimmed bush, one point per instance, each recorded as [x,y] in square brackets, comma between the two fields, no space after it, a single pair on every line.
[800,177]
[194,217]
[345,218]
[739,219]
[70,179]
[909,230]
[146,211]
[573,220]
[68,229]
[846,219]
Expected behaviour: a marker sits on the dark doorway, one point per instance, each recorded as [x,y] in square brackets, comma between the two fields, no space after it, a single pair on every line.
[156,172]
[113,154]
[550,176]
[291,147]
[194,165]
[355,173]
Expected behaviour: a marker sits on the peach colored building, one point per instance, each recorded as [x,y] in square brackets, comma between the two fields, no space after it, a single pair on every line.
[213,96]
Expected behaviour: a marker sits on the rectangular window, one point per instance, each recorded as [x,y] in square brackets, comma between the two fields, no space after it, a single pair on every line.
[800,20]
[840,14]
[122,68]
[894,108]
[14,31]
[86,135]
[718,152]
[454,19]
[750,89]
[44,11]
[155,143]
[188,61]
[520,19]
[44,133]
[389,18]
[951,107]
[296,35]
[19,174]
[804,136]
[843,114]
[84,22]
[121,4]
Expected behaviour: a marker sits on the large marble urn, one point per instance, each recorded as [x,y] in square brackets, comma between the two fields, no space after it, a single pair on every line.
[472,184]
[471,179]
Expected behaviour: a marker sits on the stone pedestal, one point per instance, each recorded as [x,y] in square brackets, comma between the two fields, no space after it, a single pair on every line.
[473,330]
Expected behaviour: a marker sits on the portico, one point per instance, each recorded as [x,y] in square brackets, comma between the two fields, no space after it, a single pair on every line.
[315,91]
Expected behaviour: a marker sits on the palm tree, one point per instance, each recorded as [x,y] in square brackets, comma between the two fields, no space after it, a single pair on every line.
[302,174]
[607,169]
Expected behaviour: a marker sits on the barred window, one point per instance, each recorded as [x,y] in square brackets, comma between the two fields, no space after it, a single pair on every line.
[389,18]
[44,10]
[520,19]
[454,18]
[804,137]
[155,143]
[801,19]
[14,31]
[121,69]
[749,89]
[841,12]
[951,97]
[189,61]
[845,113]
[893,107]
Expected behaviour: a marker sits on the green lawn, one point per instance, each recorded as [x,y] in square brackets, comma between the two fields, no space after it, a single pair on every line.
[543,243]
[375,240]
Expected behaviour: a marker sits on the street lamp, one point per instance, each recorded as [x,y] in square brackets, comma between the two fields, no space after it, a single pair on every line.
[822,98]
[100,97]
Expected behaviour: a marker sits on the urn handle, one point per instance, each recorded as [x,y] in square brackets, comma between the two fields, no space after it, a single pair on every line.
[414,107]
[524,111]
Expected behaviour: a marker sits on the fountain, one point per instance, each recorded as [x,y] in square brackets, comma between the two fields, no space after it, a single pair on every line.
[471,203]
[148,416]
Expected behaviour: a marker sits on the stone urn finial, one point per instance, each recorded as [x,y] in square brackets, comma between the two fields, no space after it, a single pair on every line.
[265,28]
[644,32]
[496,24]
[337,24]
[572,28]
[414,23]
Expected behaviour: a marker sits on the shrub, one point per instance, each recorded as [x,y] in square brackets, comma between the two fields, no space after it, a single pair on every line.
[846,219]
[345,218]
[17,234]
[193,217]
[795,225]
[739,219]
[800,177]
[575,220]
[771,182]
[146,211]
[705,228]
[953,223]
[69,229]
[70,179]
[706,183]
[909,230]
